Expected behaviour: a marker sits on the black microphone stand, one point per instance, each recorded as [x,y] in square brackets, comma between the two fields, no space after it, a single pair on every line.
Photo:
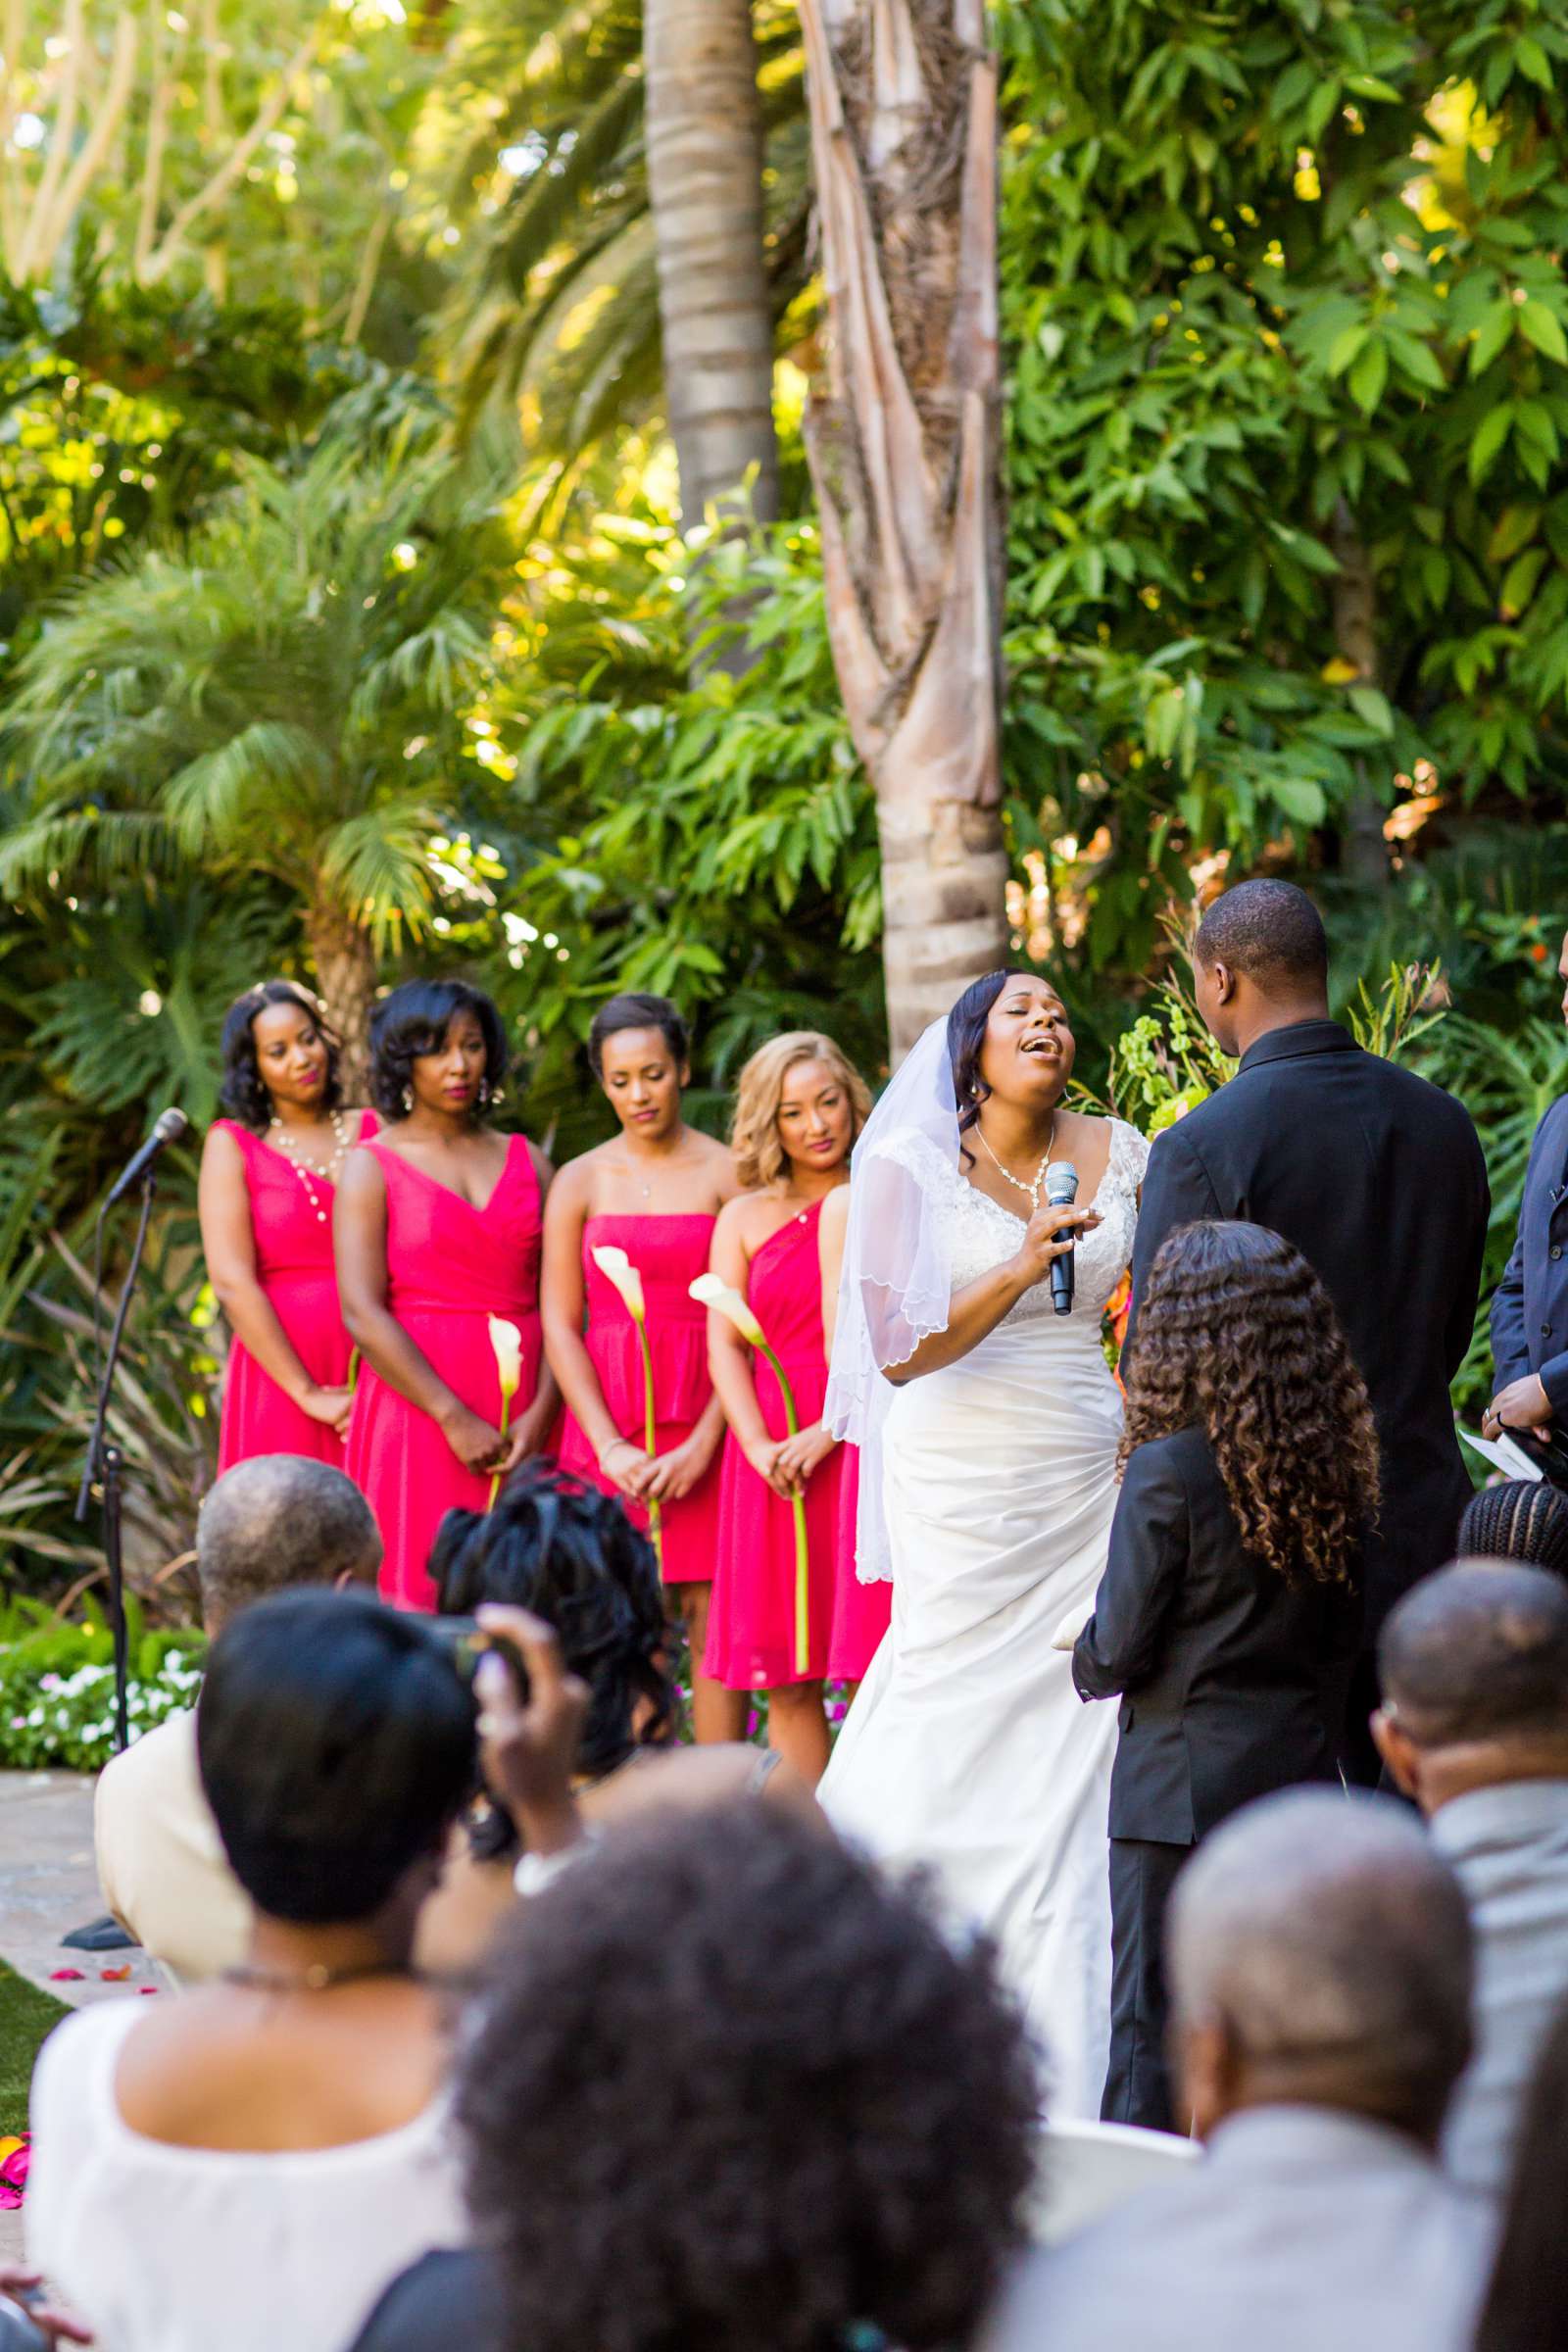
[105,1464]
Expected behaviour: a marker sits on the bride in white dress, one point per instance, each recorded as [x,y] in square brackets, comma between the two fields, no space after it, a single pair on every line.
[988,1426]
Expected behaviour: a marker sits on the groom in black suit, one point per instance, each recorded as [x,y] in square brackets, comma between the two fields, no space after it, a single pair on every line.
[1377,1179]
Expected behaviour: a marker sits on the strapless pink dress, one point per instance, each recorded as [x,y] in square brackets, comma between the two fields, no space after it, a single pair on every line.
[751,1624]
[294,1267]
[669,1252]
[449,1267]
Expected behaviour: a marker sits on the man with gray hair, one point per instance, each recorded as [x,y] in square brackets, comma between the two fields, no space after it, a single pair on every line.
[1319,1962]
[267,1525]
[1474,1726]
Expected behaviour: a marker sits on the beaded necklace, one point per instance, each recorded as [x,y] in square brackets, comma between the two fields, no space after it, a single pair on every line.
[304,1169]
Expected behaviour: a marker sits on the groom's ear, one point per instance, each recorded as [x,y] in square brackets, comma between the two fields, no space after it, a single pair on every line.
[1223,981]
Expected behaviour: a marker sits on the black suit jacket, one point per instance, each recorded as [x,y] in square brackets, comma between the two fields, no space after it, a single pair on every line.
[1377,1179]
[1529,1312]
[1233,1681]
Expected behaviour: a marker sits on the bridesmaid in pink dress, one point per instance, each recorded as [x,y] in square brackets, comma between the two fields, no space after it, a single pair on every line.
[798,1108]
[438,1229]
[653,1191]
[269,1170]
[861,1613]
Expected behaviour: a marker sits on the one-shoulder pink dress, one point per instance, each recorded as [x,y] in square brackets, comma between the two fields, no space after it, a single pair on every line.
[449,1267]
[669,1252]
[291,1221]
[861,1613]
[751,1624]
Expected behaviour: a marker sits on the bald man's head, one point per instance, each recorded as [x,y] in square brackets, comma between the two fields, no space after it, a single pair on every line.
[1320,1955]
[1479,1651]
[277,1522]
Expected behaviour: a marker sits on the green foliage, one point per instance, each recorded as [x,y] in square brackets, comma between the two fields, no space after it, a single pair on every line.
[56,1685]
[533,142]
[281,694]
[1283,299]
[717,841]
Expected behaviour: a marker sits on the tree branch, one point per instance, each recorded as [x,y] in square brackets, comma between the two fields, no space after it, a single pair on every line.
[122,74]
[230,171]
[61,132]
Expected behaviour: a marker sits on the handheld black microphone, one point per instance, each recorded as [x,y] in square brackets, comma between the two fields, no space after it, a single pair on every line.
[1061,1191]
[168,1129]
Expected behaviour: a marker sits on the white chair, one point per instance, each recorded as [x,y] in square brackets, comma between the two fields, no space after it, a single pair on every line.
[1087,2170]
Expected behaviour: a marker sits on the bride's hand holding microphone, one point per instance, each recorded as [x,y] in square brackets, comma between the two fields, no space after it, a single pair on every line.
[1051,1232]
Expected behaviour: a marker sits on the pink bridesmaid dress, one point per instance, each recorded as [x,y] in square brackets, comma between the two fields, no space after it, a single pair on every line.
[449,1267]
[861,1613]
[668,1252]
[751,1624]
[291,1219]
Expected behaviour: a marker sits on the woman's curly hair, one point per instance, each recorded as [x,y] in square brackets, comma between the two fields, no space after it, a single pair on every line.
[1236,1336]
[243,1096]
[728,2087]
[759,1156]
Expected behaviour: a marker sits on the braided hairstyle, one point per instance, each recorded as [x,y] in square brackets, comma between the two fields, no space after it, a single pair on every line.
[1235,1337]
[1522,1519]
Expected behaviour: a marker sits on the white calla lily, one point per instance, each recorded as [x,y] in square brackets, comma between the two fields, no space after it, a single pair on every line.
[506,1341]
[622,1276]
[712,1291]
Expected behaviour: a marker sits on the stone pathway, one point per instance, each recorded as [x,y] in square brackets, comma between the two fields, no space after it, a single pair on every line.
[48,1885]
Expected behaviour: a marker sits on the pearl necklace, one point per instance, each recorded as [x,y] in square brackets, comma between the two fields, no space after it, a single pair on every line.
[1035,1184]
[305,1168]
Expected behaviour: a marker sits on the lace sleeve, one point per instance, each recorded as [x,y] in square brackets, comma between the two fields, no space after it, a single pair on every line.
[1130,1152]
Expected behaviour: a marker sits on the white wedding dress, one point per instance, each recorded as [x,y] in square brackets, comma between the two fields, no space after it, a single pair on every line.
[968,1750]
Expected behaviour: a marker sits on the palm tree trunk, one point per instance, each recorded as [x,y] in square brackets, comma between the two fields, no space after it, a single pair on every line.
[903,438]
[344,957]
[705,178]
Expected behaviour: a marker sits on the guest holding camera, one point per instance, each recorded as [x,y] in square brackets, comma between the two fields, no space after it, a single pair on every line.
[1229,1614]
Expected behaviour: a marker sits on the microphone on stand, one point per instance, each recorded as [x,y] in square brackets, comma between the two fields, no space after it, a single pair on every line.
[1061,1191]
[168,1129]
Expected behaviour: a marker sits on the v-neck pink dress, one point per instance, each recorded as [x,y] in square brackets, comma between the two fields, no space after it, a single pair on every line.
[291,1224]
[751,1624]
[450,1266]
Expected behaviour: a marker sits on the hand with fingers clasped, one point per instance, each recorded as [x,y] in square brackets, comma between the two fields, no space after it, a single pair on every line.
[764,1455]
[674,1474]
[628,1468]
[1049,1235]
[797,1457]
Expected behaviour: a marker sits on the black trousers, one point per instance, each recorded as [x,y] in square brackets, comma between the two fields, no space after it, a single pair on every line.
[1138,2088]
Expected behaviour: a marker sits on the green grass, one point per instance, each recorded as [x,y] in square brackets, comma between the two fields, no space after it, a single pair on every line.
[27,2016]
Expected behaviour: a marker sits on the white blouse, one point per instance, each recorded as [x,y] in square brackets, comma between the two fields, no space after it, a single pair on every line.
[173,2249]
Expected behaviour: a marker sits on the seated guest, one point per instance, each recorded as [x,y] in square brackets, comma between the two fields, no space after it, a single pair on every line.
[1527,2303]
[570,1555]
[1229,1615]
[1475,1728]
[1320,1982]
[249,2165]
[271,1523]
[1520,1519]
[728,2088]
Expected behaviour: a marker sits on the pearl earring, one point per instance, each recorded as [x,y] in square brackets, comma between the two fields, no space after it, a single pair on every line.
[484,1090]
[408,1101]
